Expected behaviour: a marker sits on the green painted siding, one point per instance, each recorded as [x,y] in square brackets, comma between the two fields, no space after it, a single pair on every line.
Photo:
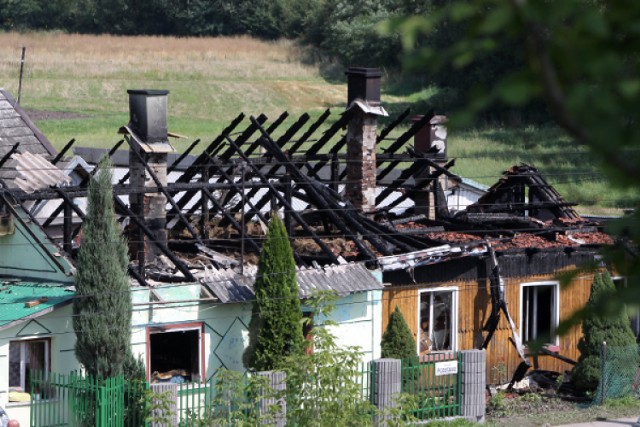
[28,253]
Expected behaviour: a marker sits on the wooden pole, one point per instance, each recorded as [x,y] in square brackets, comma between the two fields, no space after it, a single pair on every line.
[24,49]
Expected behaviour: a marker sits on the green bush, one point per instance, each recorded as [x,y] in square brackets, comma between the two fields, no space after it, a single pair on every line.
[596,329]
[397,340]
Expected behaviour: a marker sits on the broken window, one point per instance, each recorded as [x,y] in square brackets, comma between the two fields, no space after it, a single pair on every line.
[438,320]
[26,357]
[175,354]
[539,311]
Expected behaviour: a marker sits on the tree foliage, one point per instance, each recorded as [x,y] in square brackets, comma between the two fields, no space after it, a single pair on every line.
[275,330]
[102,306]
[397,341]
[579,58]
[324,385]
[597,329]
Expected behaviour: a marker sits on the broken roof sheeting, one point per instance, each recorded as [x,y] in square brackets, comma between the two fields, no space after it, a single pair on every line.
[230,286]
[17,127]
[30,172]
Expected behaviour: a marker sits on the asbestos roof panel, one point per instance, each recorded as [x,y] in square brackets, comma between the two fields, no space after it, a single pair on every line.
[14,295]
[230,286]
[31,172]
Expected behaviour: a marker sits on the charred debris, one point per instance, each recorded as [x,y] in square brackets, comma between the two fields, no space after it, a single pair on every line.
[348,190]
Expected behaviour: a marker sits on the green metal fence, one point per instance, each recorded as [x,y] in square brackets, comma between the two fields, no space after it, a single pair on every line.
[79,400]
[228,398]
[619,373]
[434,383]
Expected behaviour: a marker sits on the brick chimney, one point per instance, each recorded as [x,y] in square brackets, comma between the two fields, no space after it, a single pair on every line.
[149,144]
[430,140]
[364,99]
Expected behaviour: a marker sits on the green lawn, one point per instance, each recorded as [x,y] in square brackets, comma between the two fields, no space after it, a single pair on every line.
[212,80]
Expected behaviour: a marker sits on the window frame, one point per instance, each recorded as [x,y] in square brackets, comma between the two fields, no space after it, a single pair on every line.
[454,317]
[23,364]
[179,327]
[555,310]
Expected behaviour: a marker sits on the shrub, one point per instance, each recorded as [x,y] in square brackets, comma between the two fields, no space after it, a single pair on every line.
[397,341]
[596,329]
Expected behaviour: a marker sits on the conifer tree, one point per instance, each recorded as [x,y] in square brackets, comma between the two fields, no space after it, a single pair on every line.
[615,330]
[275,330]
[102,307]
[397,341]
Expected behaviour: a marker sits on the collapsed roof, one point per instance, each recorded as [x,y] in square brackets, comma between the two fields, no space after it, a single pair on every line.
[218,206]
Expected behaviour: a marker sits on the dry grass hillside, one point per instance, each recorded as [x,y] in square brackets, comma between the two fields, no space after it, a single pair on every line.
[211,80]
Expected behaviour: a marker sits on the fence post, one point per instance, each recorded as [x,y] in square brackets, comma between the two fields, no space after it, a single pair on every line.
[474,378]
[387,384]
[274,395]
[603,373]
[164,393]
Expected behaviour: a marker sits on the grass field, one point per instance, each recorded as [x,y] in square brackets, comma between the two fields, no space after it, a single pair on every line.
[212,80]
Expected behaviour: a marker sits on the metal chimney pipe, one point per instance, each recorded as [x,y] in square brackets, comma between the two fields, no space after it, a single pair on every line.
[148,114]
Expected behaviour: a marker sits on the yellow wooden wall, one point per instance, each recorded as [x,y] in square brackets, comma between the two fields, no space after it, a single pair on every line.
[474,307]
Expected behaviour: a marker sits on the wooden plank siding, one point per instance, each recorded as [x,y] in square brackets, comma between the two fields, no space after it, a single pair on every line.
[474,307]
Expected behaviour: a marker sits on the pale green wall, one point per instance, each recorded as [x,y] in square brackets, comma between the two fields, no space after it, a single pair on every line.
[226,325]
[57,326]
[22,256]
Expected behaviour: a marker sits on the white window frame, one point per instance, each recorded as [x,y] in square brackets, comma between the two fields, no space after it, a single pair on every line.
[454,317]
[556,310]
[23,354]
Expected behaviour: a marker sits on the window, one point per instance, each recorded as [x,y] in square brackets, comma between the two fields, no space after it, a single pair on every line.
[175,353]
[539,311]
[26,357]
[438,313]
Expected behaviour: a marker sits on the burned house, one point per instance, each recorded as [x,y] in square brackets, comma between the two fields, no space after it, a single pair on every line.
[364,205]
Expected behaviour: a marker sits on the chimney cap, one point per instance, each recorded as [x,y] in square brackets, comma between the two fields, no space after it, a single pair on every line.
[364,71]
[148,92]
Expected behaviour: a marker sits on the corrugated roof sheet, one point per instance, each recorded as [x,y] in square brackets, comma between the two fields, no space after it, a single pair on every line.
[30,172]
[17,127]
[230,286]
[14,295]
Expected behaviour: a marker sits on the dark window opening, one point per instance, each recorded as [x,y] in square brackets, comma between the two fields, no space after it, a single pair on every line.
[175,356]
[539,313]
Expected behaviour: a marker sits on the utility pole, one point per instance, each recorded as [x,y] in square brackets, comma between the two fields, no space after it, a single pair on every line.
[24,49]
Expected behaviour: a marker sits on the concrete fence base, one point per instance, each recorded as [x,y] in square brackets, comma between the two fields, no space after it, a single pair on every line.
[474,378]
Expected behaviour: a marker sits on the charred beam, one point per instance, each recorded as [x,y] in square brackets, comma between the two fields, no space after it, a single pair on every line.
[319,195]
[282,200]
[62,152]
[83,183]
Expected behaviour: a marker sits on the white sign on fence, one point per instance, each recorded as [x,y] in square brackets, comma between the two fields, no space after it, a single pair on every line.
[446,368]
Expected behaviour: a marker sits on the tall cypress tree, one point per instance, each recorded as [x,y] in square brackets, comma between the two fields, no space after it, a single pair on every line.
[102,307]
[275,330]
[614,329]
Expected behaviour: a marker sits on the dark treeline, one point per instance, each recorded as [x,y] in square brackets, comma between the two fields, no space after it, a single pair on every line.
[346,31]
